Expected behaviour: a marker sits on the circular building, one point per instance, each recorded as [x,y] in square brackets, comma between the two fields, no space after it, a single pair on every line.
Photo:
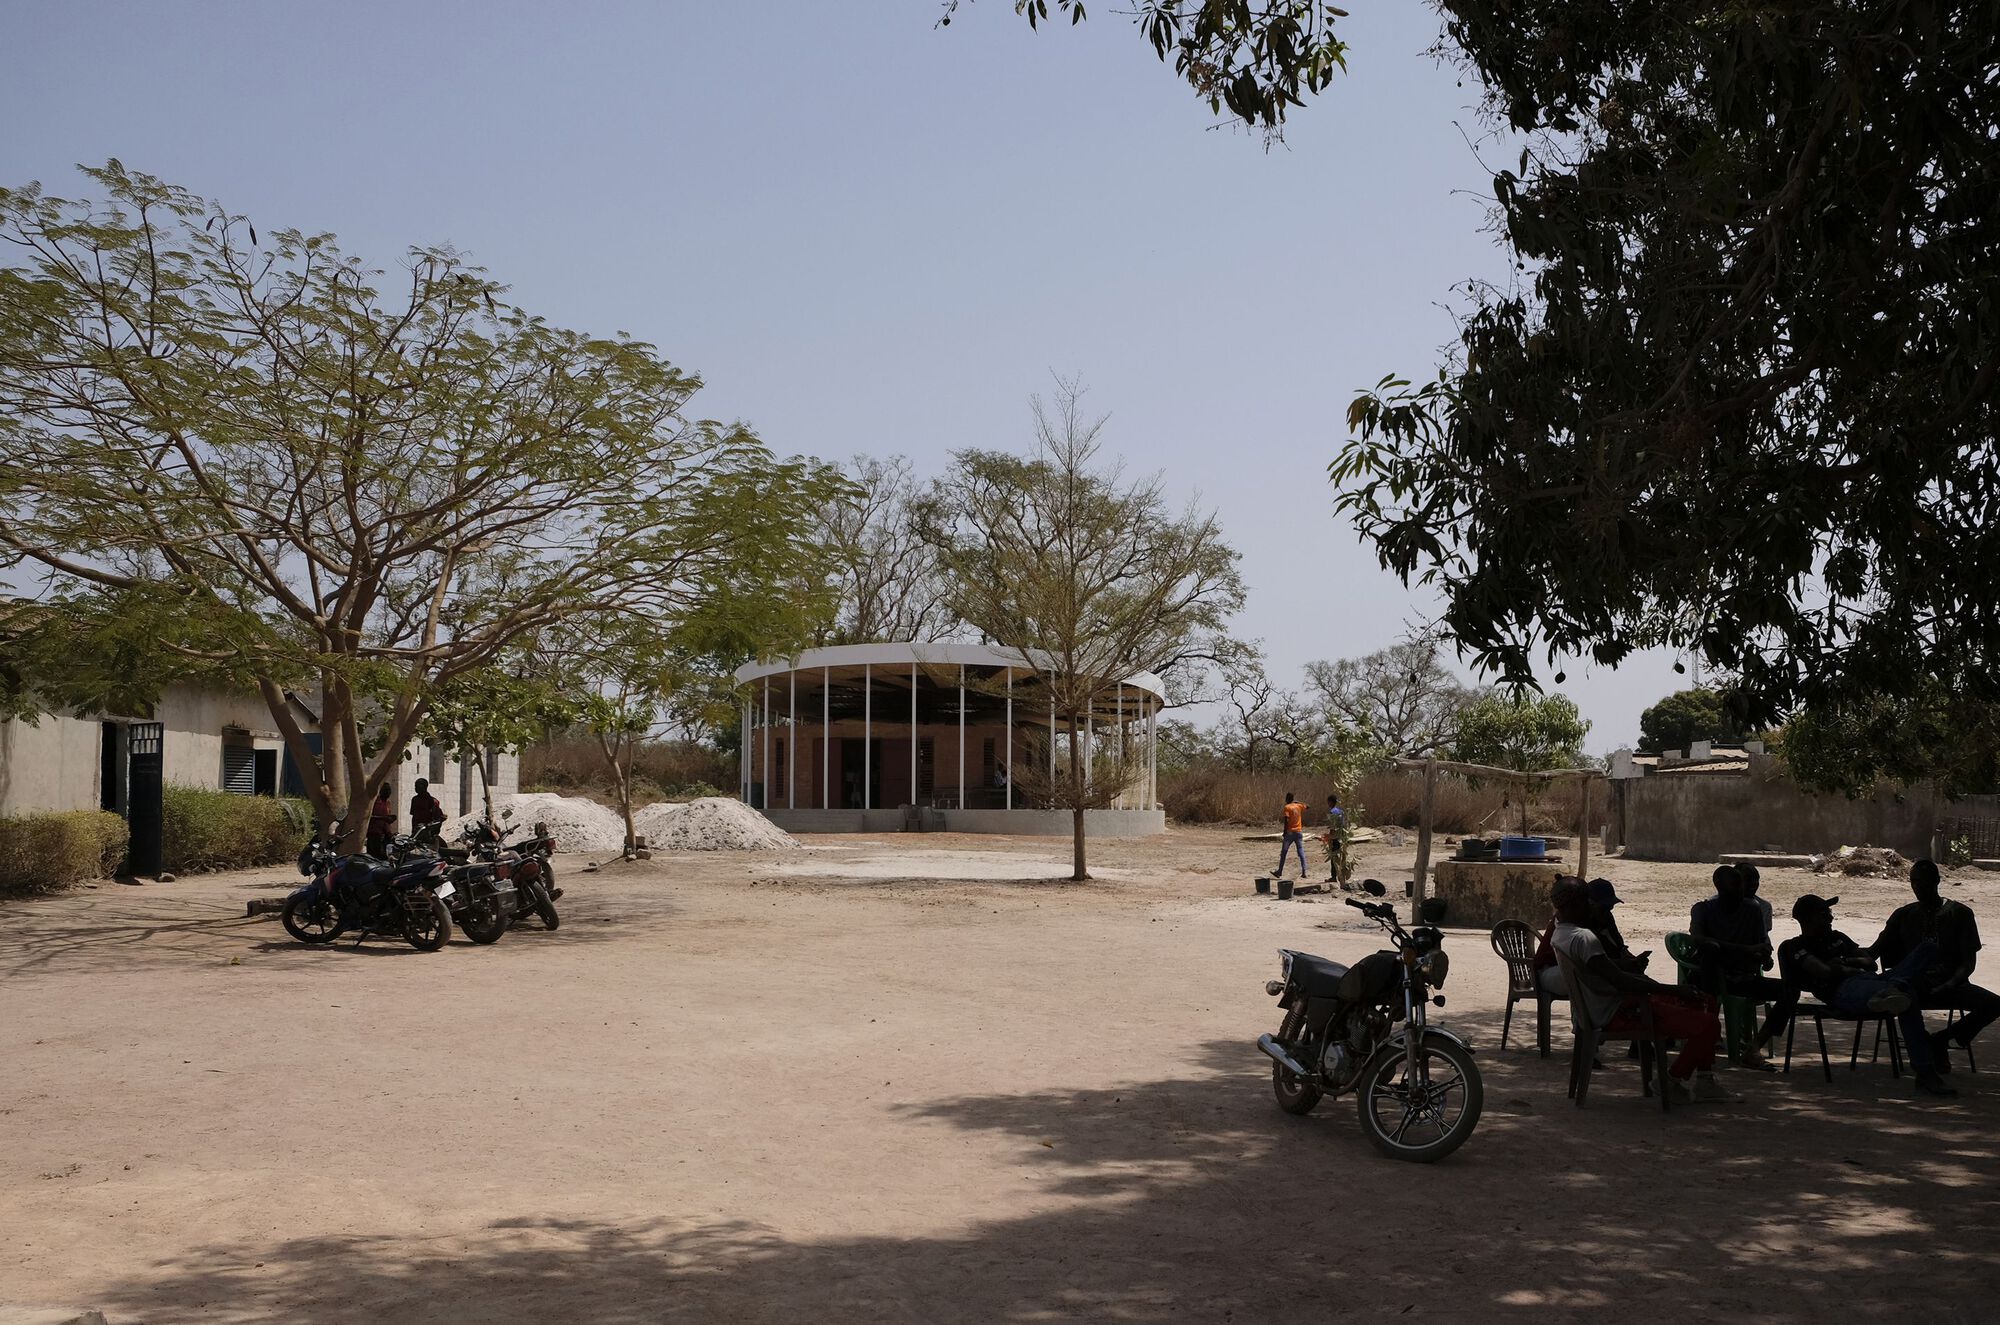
[947,737]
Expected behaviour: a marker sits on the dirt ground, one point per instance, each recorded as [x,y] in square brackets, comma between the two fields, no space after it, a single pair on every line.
[904,1079]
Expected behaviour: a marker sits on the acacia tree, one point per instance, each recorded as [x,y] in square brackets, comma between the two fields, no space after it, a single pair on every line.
[365,485]
[1402,696]
[1092,576]
[885,575]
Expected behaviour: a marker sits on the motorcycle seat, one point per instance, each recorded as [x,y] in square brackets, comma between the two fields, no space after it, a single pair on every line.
[1316,976]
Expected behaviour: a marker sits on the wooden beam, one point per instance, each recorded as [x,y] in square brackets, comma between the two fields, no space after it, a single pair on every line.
[1424,817]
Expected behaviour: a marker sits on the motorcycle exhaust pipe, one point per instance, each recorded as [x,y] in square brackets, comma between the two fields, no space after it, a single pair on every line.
[1277,1053]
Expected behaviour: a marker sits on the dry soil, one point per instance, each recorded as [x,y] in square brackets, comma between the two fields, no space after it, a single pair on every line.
[903,1079]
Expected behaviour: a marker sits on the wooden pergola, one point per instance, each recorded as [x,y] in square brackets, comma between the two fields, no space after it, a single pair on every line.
[1514,777]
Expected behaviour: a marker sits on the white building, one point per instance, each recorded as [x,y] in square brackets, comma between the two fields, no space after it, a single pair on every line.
[207,738]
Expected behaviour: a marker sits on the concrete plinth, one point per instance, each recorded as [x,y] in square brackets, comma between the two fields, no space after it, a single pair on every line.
[1480,894]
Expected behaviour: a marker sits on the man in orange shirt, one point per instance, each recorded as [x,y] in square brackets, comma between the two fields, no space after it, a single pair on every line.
[1294,819]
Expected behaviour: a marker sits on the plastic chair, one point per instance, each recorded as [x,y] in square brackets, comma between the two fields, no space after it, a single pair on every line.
[1820,1012]
[1515,941]
[1589,1035]
[1951,1017]
[1739,1014]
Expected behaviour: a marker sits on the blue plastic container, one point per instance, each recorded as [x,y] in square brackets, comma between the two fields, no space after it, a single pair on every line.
[1524,848]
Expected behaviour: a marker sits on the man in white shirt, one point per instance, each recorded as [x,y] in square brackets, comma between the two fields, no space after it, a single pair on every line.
[1613,996]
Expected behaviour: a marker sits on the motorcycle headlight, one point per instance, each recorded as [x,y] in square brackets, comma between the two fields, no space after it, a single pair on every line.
[1433,967]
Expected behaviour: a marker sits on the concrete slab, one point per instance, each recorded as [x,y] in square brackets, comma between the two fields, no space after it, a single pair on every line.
[1768,860]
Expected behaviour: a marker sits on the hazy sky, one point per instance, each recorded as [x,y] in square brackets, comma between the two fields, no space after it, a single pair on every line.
[867,233]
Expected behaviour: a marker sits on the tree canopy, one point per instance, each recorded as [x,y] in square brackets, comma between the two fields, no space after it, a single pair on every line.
[289,468]
[1740,398]
[1526,732]
[1686,716]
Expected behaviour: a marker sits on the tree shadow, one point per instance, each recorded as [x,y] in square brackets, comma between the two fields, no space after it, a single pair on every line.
[1190,1196]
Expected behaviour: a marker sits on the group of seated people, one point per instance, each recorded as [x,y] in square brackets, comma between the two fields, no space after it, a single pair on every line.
[1923,960]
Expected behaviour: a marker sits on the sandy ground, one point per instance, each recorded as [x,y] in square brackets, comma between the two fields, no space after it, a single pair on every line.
[901,1079]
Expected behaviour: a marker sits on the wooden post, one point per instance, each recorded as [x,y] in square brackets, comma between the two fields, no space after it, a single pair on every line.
[1425,815]
[1583,834]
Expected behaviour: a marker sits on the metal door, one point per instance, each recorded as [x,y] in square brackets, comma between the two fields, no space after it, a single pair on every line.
[146,742]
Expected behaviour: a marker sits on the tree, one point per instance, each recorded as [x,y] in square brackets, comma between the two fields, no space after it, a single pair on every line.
[1403,696]
[1741,398]
[1092,576]
[1687,716]
[885,577]
[310,479]
[1952,741]
[493,709]
[1528,733]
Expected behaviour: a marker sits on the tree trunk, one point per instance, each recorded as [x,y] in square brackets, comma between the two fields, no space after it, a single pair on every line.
[485,787]
[1080,874]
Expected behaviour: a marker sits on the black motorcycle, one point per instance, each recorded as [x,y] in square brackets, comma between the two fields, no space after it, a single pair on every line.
[369,896]
[1418,1089]
[520,866]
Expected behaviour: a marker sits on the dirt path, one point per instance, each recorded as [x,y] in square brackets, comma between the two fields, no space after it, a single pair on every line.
[726,1091]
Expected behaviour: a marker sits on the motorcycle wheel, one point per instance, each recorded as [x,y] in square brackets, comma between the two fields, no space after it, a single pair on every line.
[1295,1094]
[310,919]
[485,923]
[1421,1122]
[429,930]
[544,907]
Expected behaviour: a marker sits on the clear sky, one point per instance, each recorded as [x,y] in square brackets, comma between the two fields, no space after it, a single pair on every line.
[866,232]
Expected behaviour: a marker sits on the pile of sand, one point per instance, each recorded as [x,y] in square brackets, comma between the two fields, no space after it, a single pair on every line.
[713,823]
[576,824]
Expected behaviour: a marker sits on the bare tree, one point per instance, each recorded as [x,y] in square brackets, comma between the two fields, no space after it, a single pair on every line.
[884,574]
[1402,696]
[1092,576]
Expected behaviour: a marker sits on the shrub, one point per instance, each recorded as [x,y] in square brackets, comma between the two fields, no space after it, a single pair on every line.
[218,830]
[44,853]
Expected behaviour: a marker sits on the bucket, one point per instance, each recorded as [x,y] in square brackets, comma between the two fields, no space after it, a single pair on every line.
[1523,848]
[1284,890]
[1263,886]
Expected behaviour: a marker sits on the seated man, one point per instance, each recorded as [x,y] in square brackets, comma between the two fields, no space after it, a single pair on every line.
[1614,994]
[1603,897]
[1945,982]
[1835,969]
[1729,930]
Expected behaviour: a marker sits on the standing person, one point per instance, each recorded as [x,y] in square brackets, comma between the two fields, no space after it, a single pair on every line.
[1336,842]
[424,807]
[382,822]
[1293,819]
[1945,982]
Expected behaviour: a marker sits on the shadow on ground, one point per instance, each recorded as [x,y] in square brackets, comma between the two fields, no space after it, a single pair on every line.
[1192,1197]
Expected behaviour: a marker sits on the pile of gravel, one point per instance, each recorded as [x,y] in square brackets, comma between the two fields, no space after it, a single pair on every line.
[576,823]
[713,823]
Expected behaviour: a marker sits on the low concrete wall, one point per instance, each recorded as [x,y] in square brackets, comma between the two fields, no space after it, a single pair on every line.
[1703,816]
[1023,823]
[1481,894]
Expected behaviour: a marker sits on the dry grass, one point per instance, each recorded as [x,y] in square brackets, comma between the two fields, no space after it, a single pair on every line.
[661,770]
[1390,797]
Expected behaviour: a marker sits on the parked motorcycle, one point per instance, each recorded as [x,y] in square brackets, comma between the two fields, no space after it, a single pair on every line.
[522,866]
[369,896]
[1417,1087]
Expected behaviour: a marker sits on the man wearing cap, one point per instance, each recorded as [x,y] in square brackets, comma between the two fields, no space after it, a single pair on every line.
[1945,981]
[1841,974]
[1603,896]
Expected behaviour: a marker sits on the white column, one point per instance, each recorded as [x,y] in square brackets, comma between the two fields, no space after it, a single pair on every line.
[825,736]
[1121,740]
[767,743]
[1052,738]
[1010,738]
[913,733]
[792,745]
[1153,759]
[961,736]
[867,735]
[743,757]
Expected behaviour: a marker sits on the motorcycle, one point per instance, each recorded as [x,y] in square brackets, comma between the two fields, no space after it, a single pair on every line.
[1417,1088]
[520,867]
[369,896]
